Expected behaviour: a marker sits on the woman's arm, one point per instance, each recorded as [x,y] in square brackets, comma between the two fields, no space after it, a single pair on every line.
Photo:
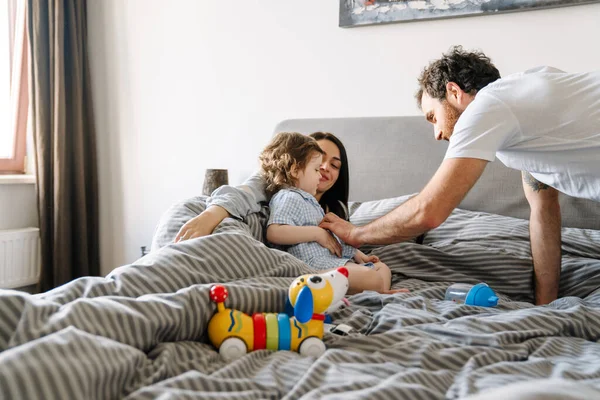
[226,201]
[202,225]
[289,235]
[239,201]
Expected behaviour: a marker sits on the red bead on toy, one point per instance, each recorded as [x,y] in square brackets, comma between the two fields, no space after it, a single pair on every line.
[218,293]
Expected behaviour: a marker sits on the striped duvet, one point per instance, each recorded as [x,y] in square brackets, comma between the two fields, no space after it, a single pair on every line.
[140,333]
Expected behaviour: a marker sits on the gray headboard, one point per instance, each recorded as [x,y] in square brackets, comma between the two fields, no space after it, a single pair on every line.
[394,156]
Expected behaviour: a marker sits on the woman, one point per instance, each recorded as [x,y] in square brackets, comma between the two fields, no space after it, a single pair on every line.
[238,202]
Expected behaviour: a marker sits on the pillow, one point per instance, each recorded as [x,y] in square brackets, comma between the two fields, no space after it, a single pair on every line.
[361,213]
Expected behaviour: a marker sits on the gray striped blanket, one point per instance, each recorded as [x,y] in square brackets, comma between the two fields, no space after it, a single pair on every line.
[140,333]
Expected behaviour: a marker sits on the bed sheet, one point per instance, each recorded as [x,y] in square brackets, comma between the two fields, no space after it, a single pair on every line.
[140,332]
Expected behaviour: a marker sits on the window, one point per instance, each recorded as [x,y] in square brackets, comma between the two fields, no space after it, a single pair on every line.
[6,140]
[13,86]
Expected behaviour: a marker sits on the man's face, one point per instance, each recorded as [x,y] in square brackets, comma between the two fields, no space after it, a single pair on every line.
[441,114]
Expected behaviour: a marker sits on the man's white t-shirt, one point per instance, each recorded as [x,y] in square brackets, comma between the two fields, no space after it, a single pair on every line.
[543,121]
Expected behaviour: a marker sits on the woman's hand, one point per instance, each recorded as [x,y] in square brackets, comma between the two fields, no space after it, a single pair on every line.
[342,228]
[327,240]
[202,225]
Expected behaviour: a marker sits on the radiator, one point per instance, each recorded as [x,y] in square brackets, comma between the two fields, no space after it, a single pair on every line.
[19,257]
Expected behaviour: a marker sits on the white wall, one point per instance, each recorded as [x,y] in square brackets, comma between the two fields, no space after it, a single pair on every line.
[19,206]
[185,85]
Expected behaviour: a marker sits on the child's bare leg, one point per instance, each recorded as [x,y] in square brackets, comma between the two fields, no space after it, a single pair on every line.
[377,278]
[385,273]
[361,278]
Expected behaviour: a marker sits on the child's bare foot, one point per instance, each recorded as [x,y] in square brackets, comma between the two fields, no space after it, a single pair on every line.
[394,291]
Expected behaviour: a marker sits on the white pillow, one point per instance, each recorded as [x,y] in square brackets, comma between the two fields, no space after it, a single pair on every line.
[365,212]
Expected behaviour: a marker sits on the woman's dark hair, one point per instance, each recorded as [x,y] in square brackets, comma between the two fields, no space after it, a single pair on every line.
[338,193]
[472,71]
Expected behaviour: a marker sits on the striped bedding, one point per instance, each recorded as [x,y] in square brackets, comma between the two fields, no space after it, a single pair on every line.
[140,333]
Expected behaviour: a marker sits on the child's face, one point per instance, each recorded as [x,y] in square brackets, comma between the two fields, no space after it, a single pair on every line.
[309,178]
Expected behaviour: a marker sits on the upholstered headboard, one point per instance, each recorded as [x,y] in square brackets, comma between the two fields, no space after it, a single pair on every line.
[394,156]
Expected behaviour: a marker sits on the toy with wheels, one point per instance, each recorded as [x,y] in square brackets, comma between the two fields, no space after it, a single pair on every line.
[311,296]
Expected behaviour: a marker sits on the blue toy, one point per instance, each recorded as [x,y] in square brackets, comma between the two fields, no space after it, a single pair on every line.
[473,295]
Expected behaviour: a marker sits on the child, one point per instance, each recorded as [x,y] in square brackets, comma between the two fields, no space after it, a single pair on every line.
[291,167]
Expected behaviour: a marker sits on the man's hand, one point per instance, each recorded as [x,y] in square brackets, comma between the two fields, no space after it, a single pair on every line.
[327,240]
[342,228]
[202,225]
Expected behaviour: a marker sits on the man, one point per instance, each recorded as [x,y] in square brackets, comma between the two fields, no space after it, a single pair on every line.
[544,122]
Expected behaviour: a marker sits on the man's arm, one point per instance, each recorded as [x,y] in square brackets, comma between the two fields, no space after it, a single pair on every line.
[544,230]
[427,210]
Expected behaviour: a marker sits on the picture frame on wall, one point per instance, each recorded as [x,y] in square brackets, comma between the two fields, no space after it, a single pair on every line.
[370,12]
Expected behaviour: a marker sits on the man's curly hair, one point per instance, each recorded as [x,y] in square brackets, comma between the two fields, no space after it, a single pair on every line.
[285,151]
[471,70]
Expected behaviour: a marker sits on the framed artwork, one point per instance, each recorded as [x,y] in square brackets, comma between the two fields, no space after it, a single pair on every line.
[370,12]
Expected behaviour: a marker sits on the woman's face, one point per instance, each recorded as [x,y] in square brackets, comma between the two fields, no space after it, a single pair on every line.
[330,167]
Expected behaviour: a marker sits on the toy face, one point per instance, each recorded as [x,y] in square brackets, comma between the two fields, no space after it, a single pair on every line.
[328,289]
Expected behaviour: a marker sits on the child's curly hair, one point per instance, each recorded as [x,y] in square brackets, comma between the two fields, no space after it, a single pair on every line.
[285,151]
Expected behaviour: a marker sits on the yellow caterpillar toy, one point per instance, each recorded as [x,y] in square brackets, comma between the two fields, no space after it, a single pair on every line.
[235,333]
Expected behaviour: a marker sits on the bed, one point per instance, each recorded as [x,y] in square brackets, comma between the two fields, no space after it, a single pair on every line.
[140,332]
